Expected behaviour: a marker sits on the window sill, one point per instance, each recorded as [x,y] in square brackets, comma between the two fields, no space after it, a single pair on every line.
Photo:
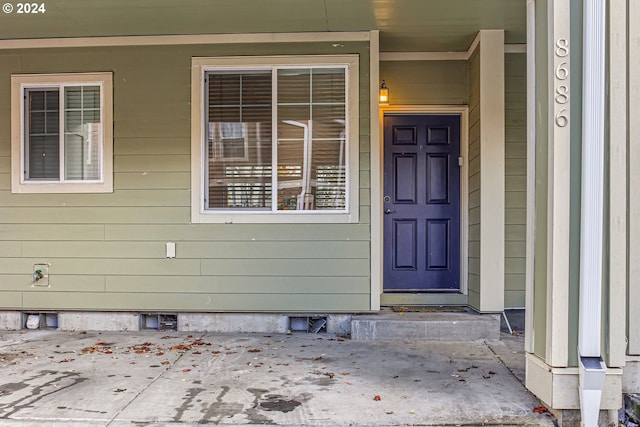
[272,218]
[63,188]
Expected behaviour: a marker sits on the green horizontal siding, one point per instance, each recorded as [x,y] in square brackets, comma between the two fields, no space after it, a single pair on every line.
[238,232]
[515,178]
[239,284]
[151,181]
[193,250]
[107,251]
[474,189]
[426,82]
[128,198]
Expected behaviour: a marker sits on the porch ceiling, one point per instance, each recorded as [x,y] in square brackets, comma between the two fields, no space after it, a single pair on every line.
[405,25]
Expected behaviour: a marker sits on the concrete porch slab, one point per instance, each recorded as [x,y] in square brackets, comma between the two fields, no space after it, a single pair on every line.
[161,378]
[432,326]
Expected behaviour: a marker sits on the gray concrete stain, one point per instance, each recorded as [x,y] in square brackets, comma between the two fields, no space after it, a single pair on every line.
[39,392]
[187,403]
[255,417]
[219,409]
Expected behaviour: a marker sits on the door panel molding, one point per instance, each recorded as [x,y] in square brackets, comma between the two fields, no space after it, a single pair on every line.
[424,179]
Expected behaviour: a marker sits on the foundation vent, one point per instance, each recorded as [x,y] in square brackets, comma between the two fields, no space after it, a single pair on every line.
[159,321]
[308,324]
[40,320]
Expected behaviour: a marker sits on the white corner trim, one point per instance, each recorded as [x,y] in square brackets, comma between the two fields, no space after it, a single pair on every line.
[375,185]
[634,175]
[617,182]
[531,177]
[342,36]
[492,170]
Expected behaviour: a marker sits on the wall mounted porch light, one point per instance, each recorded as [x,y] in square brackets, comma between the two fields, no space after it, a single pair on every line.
[383,95]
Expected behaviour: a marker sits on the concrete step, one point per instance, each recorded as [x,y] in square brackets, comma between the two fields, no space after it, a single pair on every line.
[429,325]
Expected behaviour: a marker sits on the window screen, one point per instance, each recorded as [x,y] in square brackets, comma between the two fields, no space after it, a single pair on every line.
[68,153]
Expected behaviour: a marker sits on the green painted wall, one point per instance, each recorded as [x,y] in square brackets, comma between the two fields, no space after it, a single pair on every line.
[107,250]
[474,179]
[426,82]
[515,178]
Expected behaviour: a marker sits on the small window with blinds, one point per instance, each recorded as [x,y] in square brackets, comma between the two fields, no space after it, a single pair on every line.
[64,141]
[276,139]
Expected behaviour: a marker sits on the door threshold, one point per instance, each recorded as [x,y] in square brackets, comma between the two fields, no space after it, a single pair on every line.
[424,299]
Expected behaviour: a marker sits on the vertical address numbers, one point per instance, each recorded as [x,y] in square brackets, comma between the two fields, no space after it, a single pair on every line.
[561,95]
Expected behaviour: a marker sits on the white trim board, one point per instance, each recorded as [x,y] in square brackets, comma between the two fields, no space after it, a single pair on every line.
[343,36]
[445,56]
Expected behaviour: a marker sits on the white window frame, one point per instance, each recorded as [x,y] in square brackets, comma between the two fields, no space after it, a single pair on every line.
[199,67]
[20,83]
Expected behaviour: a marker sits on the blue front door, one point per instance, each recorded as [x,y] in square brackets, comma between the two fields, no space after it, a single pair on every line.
[421,203]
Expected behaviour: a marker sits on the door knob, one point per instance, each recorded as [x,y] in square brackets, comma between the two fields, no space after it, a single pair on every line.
[388,211]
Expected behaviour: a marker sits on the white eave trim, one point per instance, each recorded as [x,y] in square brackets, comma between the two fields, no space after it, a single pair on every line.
[445,56]
[342,36]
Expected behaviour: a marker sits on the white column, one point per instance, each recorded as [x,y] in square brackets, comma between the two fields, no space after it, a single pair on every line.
[558,193]
[634,176]
[531,175]
[618,104]
[492,168]
[376,174]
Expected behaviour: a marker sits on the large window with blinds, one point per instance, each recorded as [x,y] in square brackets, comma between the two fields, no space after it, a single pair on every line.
[62,132]
[274,139]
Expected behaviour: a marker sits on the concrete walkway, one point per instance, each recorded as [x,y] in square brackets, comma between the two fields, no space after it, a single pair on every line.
[56,378]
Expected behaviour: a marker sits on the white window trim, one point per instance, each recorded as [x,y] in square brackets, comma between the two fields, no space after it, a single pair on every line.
[199,66]
[20,82]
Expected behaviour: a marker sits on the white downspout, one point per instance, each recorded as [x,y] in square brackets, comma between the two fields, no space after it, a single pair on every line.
[592,369]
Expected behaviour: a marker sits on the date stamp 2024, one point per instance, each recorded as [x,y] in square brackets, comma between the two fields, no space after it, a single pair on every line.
[24,8]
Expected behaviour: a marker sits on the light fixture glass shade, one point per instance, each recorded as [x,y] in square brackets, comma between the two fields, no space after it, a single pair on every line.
[383,96]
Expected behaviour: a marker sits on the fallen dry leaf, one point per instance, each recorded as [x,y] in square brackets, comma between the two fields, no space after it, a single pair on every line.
[377,398]
[180,347]
[254,350]
[540,410]
[165,362]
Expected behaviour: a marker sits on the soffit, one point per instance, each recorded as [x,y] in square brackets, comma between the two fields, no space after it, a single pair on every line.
[405,25]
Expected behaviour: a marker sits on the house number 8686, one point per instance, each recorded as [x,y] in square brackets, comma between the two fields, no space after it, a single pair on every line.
[561,95]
